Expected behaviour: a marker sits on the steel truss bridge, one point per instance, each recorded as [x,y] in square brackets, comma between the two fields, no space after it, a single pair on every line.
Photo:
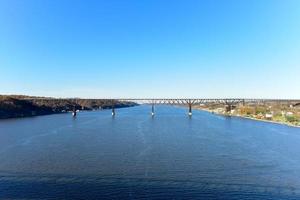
[228,103]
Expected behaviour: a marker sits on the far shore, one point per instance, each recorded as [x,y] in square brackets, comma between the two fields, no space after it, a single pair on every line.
[18,106]
[251,118]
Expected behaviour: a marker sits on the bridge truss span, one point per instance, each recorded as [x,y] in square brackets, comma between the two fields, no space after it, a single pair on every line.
[229,103]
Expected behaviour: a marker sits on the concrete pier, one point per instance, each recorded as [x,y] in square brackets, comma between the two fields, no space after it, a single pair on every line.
[190,109]
[113,113]
[152,110]
[74,112]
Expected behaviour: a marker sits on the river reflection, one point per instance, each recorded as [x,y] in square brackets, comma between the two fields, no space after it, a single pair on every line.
[136,156]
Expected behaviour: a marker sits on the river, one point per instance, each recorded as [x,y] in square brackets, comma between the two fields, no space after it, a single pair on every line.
[136,156]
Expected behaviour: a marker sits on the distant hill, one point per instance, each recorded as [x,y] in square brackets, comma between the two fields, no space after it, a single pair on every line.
[12,106]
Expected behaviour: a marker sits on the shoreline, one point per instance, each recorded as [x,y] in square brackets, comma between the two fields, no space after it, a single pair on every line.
[12,106]
[58,113]
[251,118]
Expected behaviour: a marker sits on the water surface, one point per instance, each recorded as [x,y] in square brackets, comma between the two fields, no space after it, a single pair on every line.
[135,156]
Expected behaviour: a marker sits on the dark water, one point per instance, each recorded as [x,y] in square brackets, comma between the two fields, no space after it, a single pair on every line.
[135,156]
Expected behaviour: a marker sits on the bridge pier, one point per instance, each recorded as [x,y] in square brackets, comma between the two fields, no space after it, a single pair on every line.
[190,109]
[74,113]
[152,110]
[228,107]
[113,113]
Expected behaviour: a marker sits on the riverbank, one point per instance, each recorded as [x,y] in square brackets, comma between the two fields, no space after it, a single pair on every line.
[16,106]
[247,117]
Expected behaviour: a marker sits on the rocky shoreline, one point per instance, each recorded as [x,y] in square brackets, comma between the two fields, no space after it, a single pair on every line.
[16,106]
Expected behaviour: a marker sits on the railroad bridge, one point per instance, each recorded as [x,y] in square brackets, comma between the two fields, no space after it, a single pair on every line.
[229,103]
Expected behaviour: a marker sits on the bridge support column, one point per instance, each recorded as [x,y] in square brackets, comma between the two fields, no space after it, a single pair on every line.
[74,113]
[190,109]
[152,110]
[228,108]
[113,113]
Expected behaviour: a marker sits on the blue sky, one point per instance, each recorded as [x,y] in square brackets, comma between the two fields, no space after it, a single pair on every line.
[150,48]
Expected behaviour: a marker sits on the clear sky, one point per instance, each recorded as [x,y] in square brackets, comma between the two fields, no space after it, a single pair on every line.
[150,48]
